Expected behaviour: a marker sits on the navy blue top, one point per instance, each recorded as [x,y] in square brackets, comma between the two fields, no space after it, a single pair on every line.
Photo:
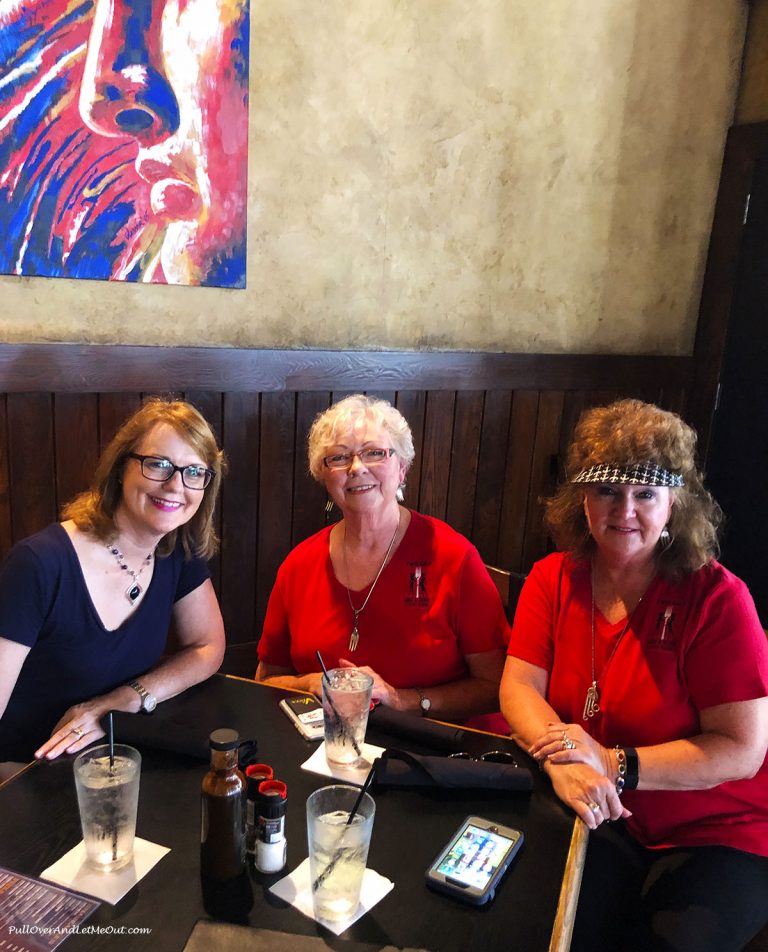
[44,603]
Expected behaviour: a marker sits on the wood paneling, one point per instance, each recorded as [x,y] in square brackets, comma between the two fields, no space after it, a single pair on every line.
[465,451]
[543,474]
[239,513]
[490,432]
[114,410]
[436,453]
[309,497]
[92,368]
[76,435]
[32,462]
[209,404]
[278,427]
[6,533]
[517,482]
[412,405]
[491,472]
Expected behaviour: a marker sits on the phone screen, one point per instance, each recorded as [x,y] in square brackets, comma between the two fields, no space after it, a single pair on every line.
[312,717]
[475,856]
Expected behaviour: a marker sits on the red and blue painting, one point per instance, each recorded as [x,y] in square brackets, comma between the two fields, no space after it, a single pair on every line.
[124,140]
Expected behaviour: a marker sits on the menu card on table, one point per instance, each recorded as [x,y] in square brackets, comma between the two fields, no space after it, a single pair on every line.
[36,916]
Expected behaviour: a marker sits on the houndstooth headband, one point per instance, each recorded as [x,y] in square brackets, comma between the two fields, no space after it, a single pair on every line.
[639,474]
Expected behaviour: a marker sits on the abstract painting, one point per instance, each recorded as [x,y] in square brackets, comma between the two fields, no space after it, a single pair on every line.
[124,140]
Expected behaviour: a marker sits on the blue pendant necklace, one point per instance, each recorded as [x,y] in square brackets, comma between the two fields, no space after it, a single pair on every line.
[134,589]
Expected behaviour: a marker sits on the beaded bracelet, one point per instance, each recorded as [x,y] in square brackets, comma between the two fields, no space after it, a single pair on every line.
[628,769]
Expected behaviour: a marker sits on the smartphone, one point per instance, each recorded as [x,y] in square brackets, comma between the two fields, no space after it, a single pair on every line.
[306,715]
[474,861]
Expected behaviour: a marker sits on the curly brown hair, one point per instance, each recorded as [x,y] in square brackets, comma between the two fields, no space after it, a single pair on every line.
[626,432]
[94,510]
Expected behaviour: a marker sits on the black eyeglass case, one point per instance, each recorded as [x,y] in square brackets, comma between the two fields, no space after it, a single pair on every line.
[399,768]
[417,729]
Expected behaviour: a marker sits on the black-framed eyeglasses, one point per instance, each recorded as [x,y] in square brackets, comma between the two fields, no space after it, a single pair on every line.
[369,457]
[160,469]
[491,757]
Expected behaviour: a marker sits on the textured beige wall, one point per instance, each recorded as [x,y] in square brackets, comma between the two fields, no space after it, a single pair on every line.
[515,175]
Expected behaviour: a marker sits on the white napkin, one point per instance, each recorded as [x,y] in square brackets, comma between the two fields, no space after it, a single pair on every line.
[355,773]
[73,870]
[296,888]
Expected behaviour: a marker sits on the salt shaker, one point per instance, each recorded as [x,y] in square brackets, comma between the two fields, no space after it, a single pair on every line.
[271,845]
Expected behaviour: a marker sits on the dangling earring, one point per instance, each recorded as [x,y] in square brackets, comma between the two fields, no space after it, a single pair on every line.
[399,494]
[665,539]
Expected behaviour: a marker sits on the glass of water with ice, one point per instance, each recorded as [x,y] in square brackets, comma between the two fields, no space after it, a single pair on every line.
[107,796]
[338,851]
[346,702]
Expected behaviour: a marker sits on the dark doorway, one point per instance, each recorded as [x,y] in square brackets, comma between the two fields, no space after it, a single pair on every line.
[737,465]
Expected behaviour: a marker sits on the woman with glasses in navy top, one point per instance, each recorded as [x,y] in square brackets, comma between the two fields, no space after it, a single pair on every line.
[401,595]
[85,604]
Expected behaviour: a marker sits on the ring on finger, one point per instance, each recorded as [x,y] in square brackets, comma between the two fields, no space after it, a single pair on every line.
[78,731]
[568,744]
[594,807]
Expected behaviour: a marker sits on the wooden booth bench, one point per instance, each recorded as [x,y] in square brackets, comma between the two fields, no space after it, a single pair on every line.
[489,430]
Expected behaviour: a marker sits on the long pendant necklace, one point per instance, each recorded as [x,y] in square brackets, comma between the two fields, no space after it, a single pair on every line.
[592,700]
[355,635]
[134,589]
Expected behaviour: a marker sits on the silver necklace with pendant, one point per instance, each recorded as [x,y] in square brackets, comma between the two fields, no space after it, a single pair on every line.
[134,589]
[592,700]
[355,634]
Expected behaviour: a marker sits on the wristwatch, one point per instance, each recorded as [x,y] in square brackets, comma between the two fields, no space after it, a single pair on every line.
[148,701]
[424,702]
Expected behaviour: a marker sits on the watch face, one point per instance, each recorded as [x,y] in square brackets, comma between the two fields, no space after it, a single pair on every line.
[149,703]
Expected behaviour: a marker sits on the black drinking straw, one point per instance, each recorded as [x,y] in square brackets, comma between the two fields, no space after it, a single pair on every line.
[111,734]
[111,737]
[352,814]
[339,721]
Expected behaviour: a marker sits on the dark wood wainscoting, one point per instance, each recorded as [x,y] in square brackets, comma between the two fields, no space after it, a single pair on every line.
[489,431]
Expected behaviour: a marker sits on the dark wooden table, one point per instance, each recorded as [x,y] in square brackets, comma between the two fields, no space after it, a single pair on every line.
[39,823]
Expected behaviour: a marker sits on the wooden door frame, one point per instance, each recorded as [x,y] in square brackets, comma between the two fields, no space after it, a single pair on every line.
[745,145]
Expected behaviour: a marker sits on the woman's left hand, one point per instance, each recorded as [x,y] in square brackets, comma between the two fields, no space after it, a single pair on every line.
[381,691]
[78,728]
[570,744]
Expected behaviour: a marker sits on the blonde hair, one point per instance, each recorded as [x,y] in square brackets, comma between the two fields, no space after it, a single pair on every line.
[341,418]
[626,432]
[94,510]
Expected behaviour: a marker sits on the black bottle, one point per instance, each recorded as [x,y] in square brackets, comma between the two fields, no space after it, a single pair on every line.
[222,834]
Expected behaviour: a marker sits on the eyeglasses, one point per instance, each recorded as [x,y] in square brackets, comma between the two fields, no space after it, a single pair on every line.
[491,757]
[160,469]
[369,457]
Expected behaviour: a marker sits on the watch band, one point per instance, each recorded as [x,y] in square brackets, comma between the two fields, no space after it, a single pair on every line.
[424,702]
[148,701]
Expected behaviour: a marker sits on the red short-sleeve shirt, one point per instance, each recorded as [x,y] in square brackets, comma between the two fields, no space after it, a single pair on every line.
[690,645]
[433,605]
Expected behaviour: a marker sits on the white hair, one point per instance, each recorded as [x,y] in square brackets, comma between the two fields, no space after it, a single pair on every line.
[342,418]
